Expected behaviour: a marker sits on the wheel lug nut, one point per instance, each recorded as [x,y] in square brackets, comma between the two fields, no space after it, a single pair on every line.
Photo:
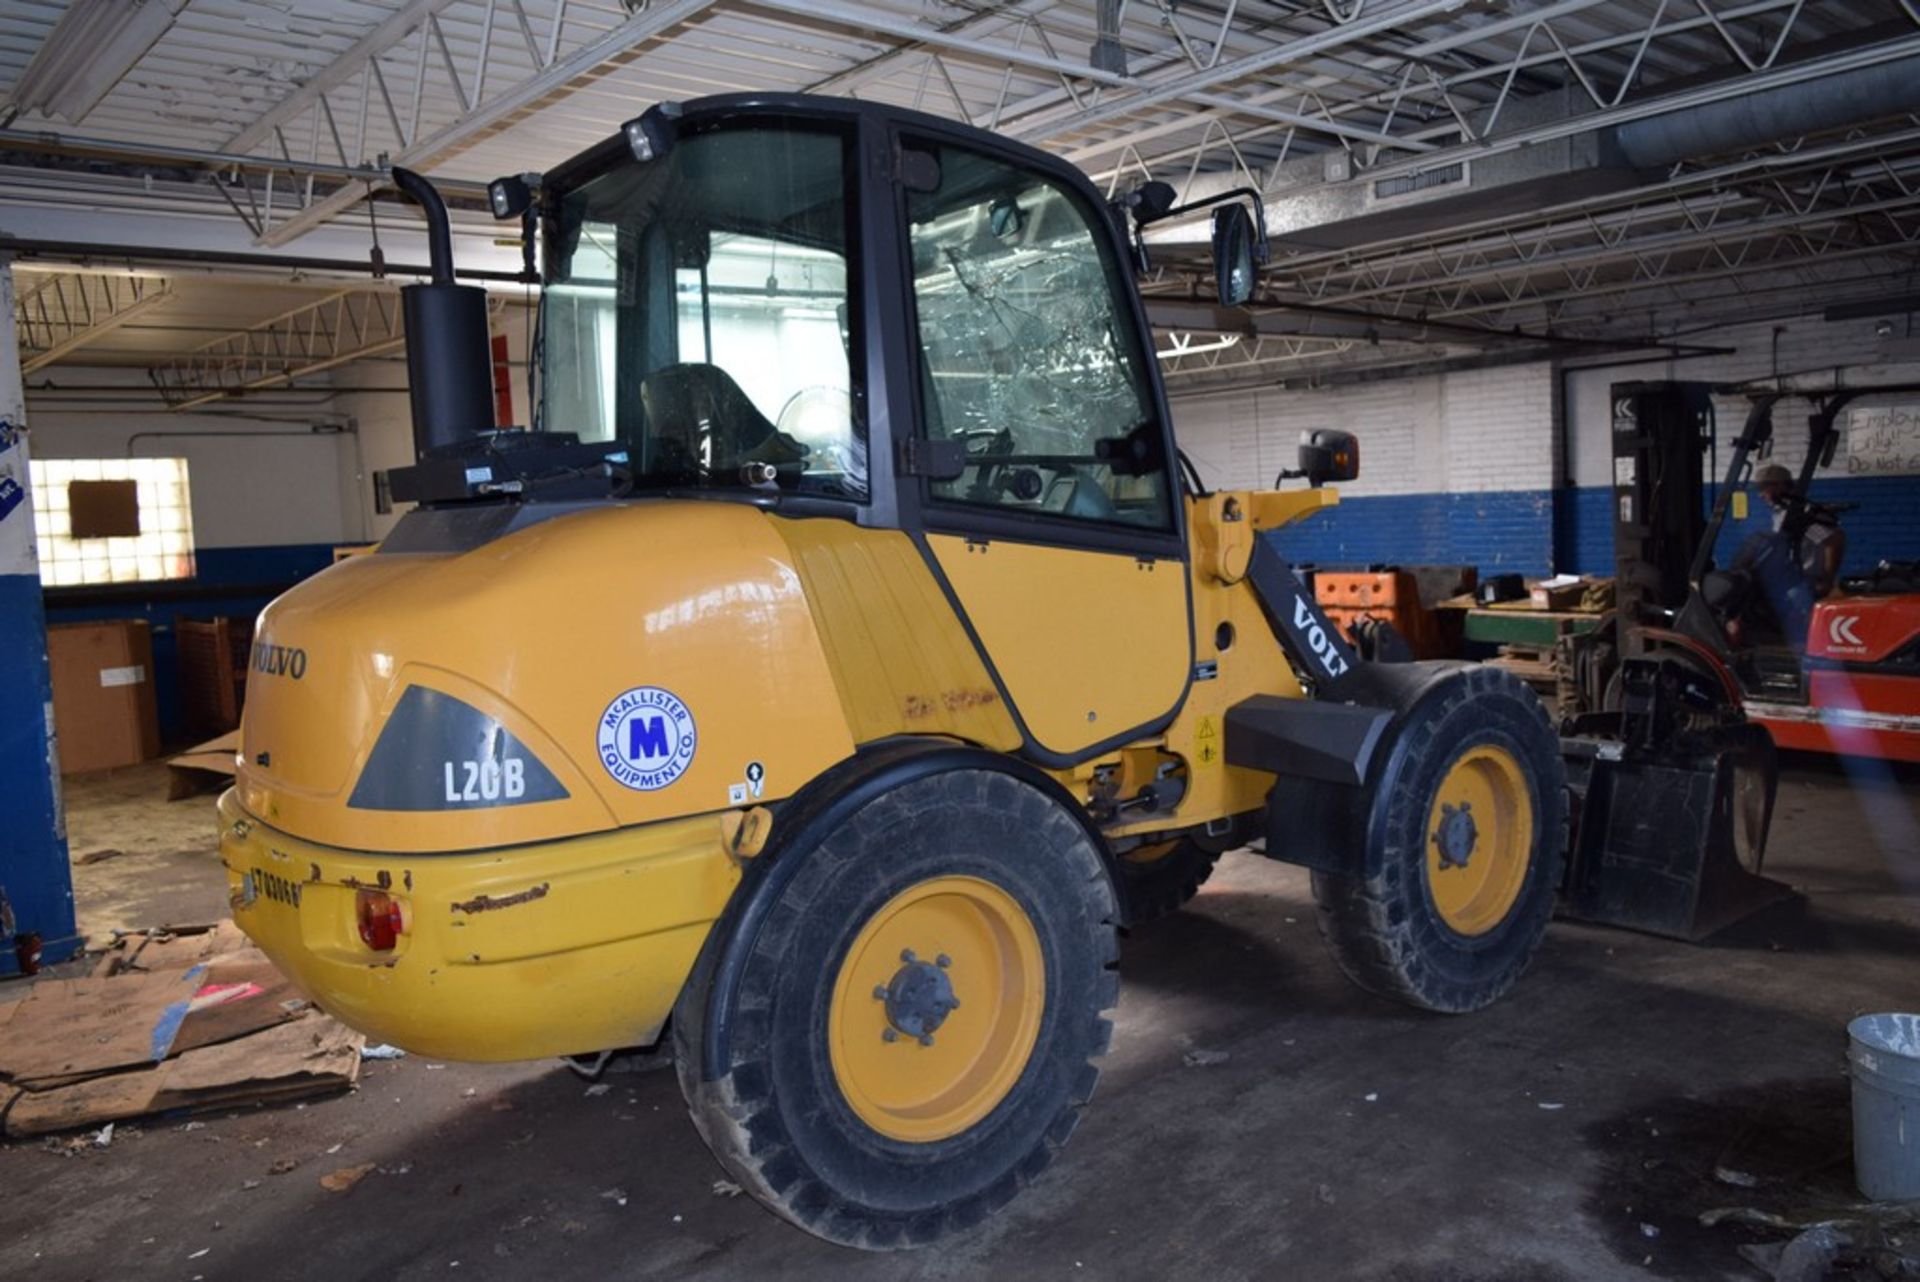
[888,1035]
[926,1039]
[943,961]
[879,992]
[906,955]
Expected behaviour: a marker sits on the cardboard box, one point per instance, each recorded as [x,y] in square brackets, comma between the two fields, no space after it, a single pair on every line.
[103,702]
[1556,596]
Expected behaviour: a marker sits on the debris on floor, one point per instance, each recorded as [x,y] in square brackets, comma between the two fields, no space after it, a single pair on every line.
[167,948]
[99,856]
[1759,1173]
[346,1177]
[1868,1240]
[176,1020]
[203,767]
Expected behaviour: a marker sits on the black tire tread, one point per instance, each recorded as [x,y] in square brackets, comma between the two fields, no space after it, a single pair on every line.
[1362,919]
[738,1117]
[1151,890]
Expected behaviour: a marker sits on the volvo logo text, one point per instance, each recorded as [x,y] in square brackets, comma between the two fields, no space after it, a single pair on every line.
[279,660]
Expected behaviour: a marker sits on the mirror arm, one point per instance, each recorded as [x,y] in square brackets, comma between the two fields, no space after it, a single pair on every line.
[1248,194]
[529,231]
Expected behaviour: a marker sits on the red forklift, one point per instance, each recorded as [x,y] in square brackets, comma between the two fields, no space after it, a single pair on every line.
[1838,673]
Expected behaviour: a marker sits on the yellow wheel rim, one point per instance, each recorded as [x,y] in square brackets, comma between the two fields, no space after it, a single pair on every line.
[1479,839]
[909,1065]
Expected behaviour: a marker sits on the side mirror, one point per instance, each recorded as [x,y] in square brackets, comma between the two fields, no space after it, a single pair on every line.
[1329,455]
[1005,218]
[1233,254]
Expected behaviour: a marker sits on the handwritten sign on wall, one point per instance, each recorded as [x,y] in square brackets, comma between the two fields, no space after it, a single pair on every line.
[1881,440]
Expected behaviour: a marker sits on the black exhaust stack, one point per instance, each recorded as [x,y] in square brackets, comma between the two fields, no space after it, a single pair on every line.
[459,458]
[449,357]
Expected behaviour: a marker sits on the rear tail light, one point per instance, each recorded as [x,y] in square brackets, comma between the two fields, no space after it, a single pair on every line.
[381,920]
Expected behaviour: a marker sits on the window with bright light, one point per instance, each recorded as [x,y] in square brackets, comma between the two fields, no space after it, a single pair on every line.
[162,550]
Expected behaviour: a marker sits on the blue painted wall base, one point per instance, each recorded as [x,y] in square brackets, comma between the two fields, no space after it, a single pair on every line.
[35,876]
[1569,530]
[1500,531]
[1884,526]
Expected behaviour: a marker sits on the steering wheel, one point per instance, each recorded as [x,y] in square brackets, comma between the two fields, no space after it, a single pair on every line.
[983,444]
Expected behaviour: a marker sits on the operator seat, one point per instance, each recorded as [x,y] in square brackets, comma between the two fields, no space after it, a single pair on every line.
[1073,494]
[692,400]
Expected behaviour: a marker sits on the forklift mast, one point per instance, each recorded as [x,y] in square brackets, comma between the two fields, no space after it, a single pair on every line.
[1660,432]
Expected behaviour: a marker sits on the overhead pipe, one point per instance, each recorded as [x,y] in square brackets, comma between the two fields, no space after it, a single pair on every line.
[1771,115]
[89,252]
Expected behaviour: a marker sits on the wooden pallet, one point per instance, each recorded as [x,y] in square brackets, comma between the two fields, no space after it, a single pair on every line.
[1547,669]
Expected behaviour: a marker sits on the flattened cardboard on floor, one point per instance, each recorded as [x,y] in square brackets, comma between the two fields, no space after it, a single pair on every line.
[311,1056]
[241,994]
[71,1028]
[203,767]
[66,1030]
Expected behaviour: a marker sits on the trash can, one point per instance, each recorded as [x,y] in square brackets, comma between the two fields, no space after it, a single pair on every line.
[1884,1052]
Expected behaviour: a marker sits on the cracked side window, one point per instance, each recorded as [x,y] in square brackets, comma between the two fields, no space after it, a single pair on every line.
[1028,354]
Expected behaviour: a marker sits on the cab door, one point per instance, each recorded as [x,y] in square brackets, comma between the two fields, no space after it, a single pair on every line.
[1045,493]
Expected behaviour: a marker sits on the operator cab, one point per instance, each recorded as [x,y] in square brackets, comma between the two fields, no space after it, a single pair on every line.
[823,308]
[700,310]
[707,329]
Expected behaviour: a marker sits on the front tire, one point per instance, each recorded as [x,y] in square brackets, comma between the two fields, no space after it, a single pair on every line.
[1466,834]
[915,1024]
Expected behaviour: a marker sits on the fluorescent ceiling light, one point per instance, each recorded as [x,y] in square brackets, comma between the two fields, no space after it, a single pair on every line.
[88,52]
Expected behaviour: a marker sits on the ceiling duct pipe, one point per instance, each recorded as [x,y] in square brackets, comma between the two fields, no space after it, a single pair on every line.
[449,354]
[1773,115]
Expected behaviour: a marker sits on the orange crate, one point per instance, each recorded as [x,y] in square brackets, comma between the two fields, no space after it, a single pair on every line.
[1384,589]
[1394,596]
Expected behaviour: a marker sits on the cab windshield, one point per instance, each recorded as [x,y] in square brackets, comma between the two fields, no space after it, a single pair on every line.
[701,308]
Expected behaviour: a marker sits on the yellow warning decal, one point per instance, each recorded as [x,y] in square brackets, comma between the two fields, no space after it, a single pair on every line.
[1206,742]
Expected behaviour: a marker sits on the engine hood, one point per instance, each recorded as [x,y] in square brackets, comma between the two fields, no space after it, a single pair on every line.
[615,666]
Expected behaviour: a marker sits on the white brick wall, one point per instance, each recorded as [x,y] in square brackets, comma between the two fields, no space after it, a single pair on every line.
[1498,429]
[1808,350]
[1475,430]
[1494,429]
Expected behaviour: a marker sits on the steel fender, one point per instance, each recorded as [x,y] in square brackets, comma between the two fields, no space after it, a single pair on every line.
[1317,818]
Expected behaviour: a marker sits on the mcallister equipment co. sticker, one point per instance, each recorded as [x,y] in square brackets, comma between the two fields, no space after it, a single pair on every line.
[646,738]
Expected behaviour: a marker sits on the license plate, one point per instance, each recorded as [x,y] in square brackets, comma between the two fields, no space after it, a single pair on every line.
[258,883]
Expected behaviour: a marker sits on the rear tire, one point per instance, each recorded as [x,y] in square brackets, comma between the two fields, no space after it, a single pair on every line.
[1448,913]
[879,1141]
[1150,889]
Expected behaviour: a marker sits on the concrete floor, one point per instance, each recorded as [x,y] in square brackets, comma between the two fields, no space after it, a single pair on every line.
[1569,1133]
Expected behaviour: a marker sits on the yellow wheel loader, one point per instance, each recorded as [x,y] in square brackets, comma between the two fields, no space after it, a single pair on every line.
[844,656]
